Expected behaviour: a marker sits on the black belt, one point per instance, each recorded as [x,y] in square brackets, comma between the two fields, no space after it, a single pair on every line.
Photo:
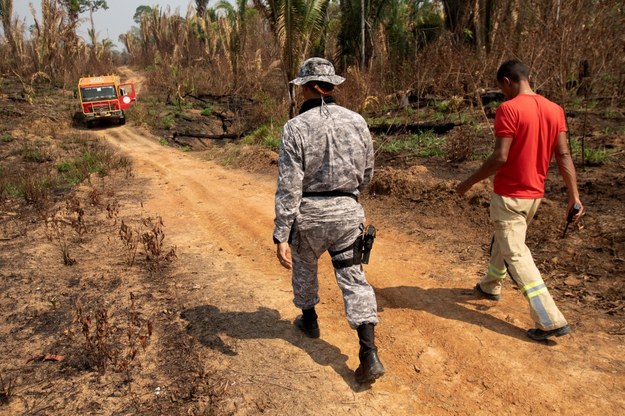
[331,194]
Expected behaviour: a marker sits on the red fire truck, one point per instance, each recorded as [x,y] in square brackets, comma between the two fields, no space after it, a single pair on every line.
[104,98]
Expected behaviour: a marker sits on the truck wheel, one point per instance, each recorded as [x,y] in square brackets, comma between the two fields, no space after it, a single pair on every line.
[77,119]
[90,124]
[121,121]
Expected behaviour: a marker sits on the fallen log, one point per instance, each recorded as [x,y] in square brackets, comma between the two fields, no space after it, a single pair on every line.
[208,136]
[437,128]
[184,143]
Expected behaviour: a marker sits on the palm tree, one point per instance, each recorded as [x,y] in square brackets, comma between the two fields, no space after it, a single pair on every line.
[296,24]
[200,7]
[236,19]
[359,18]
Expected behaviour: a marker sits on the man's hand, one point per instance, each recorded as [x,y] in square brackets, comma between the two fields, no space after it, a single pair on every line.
[463,187]
[284,255]
[581,211]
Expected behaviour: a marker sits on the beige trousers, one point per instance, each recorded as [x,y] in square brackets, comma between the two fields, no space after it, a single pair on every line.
[509,254]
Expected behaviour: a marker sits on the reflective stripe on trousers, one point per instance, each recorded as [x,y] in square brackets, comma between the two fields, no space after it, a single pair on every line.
[510,217]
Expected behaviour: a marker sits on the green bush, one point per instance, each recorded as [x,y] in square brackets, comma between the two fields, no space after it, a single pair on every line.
[12,189]
[207,111]
[272,143]
[168,121]
[94,161]
[612,115]
[592,155]
[32,154]
[98,160]
[266,135]
[596,157]
[35,187]
[63,167]
[426,144]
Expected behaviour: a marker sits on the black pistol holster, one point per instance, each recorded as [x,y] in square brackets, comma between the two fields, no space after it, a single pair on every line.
[361,249]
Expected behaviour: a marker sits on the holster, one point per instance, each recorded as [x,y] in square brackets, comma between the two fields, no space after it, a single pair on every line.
[367,243]
[361,248]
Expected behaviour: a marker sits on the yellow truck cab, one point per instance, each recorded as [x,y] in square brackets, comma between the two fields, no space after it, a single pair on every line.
[104,98]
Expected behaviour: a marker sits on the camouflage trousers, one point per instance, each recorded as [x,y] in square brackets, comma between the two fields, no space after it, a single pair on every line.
[510,255]
[306,248]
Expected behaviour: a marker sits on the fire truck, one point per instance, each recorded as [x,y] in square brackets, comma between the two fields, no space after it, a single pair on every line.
[104,98]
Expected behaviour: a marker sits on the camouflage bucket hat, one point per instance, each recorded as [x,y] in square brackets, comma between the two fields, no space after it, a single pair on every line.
[317,69]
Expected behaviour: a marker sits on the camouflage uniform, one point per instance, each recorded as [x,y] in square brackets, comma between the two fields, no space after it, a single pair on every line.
[327,148]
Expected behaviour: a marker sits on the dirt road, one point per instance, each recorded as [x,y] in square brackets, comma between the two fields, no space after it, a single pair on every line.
[445,352]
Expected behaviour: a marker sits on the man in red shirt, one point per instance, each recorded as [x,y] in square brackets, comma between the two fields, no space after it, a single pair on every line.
[529,130]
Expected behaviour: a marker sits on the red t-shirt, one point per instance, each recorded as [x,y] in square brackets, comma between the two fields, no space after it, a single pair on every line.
[533,122]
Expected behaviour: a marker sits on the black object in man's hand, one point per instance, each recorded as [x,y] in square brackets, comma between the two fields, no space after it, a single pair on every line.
[569,218]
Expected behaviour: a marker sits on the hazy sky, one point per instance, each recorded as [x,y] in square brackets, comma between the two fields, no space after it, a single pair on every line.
[108,23]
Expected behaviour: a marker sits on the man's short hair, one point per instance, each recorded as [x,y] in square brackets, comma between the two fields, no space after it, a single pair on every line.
[514,70]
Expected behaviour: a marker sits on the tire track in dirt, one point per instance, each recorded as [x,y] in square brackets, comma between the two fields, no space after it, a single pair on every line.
[445,352]
[203,198]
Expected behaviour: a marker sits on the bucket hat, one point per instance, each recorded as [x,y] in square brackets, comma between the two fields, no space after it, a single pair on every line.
[317,69]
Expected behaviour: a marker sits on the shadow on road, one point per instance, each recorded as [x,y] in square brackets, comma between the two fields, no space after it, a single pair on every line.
[207,322]
[450,303]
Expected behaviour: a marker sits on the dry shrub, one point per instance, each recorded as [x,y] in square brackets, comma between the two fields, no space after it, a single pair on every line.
[57,230]
[130,240]
[112,210]
[554,43]
[96,331]
[108,342]
[231,55]
[235,52]
[460,145]
[76,215]
[6,390]
[151,235]
[35,186]
[61,224]
[152,239]
[569,53]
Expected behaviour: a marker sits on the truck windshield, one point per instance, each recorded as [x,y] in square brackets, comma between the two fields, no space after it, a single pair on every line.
[90,94]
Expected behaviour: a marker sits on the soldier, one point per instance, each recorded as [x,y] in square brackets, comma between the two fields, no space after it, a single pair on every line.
[325,162]
[529,130]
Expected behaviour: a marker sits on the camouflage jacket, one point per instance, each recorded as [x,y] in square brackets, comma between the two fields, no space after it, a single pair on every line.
[327,148]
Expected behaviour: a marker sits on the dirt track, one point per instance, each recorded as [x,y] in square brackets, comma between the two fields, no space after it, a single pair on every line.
[445,352]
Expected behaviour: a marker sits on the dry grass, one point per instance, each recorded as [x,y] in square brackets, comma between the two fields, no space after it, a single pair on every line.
[570,53]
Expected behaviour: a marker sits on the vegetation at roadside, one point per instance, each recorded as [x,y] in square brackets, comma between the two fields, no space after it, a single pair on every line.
[425,144]
[222,69]
[50,168]
[266,135]
[447,50]
[589,154]
[105,343]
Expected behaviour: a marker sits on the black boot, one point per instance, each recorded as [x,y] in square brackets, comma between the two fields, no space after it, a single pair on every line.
[370,366]
[307,323]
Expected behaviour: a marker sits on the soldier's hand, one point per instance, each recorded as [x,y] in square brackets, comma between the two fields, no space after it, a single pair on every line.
[284,255]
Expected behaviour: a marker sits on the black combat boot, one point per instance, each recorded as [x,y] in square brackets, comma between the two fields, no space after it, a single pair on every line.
[307,323]
[370,366]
